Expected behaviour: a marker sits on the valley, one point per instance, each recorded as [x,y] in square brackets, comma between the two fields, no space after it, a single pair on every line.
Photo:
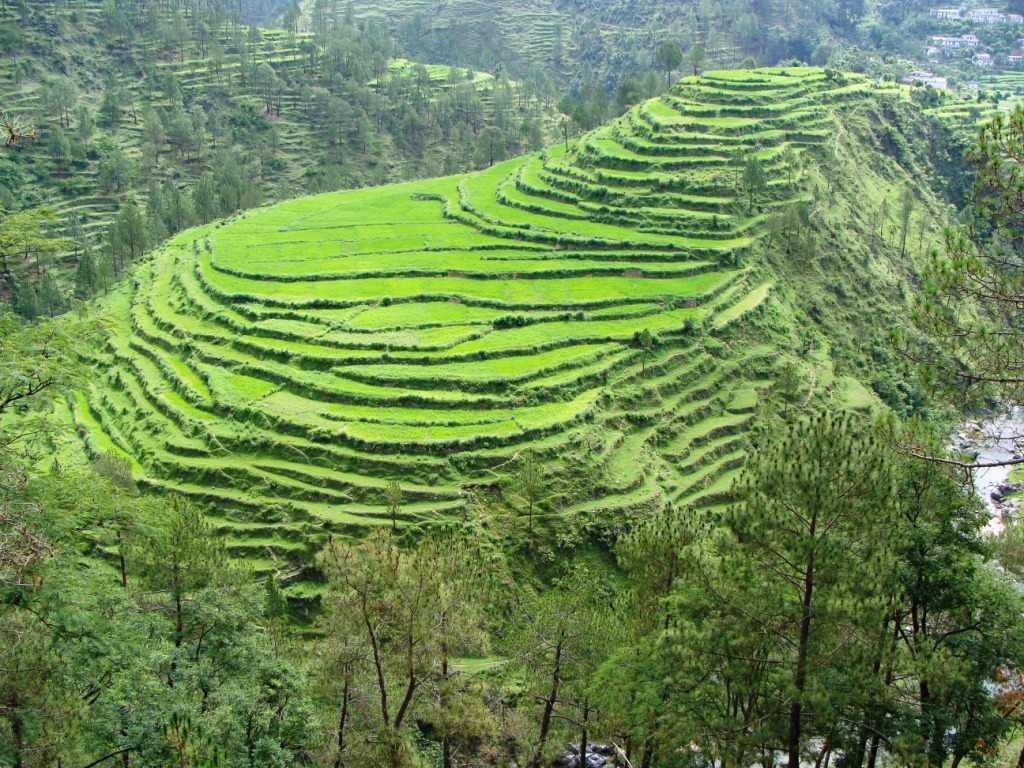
[448,385]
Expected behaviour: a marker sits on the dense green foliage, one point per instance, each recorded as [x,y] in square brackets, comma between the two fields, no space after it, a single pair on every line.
[973,286]
[843,608]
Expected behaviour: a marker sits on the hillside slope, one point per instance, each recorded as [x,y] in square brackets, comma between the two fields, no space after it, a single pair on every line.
[192,114]
[289,362]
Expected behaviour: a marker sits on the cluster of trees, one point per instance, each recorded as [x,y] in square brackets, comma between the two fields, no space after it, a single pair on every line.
[835,611]
[28,239]
[168,656]
[974,288]
[847,606]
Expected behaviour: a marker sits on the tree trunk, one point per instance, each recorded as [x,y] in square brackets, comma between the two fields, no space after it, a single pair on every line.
[446,739]
[17,731]
[379,666]
[796,709]
[179,629]
[549,707]
[936,753]
[410,689]
[121,560]
[825,749]
[339,762]
[647,758]
[873,752]
[583,735]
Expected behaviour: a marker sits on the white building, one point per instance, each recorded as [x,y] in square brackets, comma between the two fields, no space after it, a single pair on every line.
[927,78]
[964,41]
[983,60]
[985,16]
[946,13]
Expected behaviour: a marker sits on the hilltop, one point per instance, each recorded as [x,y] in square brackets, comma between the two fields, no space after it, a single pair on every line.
[619,307]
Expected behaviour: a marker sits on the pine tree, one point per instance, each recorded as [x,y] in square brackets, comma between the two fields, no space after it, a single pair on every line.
[810,533]
[529,481]
[106,271]
[974,287]
[646,342]
[111,105]
[205,201]
[128,236]
[561,639]
[772,603]
[669,57]
[26,301]
[85,275]
[59,147]
[51,298]
[755,180]
[116,171]
[400,617]
[181,559]
[907,201]
[393,492]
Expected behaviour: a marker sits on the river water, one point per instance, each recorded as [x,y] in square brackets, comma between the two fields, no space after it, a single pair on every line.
[991,439]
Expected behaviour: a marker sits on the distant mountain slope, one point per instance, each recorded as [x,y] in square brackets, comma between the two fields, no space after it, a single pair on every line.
[620,307]
[605,40]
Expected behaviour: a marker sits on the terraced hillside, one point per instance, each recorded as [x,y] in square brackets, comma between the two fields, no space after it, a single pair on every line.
[290,362]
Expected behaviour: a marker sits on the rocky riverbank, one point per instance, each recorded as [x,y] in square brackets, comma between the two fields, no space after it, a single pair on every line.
[987,441]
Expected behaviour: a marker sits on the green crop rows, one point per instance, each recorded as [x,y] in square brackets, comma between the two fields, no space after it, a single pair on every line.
[290,362]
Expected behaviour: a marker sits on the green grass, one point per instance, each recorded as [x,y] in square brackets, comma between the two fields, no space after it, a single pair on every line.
[743,306]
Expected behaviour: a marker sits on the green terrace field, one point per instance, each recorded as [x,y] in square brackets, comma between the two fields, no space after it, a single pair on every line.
[288,363]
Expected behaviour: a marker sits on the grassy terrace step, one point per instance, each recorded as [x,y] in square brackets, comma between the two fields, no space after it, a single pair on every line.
[701,482]
[742,307]
[706,453]
[705,430]
[716,491]
[288,363]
